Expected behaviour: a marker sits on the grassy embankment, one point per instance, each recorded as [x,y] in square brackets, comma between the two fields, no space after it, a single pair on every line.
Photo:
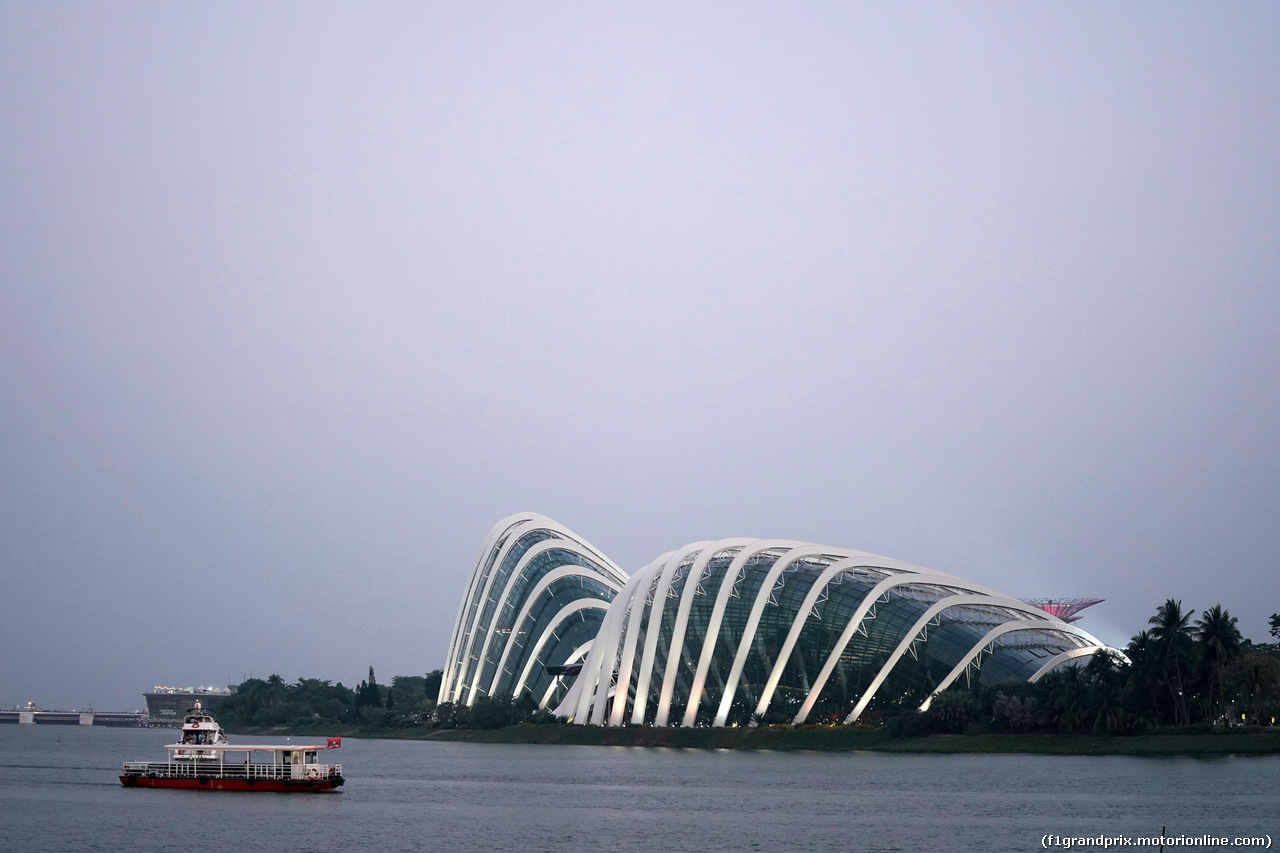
[835,739]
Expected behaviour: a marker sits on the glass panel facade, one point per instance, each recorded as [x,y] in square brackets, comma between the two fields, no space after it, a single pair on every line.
[534,571]
[793,656]
[580,628]
[499,593]
[545,609]
[704,598]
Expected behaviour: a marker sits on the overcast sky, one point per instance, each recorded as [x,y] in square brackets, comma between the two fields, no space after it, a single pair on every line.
[297,300]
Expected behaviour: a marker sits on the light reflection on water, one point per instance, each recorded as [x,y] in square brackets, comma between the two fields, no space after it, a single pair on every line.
[59,792]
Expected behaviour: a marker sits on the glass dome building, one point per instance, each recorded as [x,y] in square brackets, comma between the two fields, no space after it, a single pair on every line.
[732,631]
[537,597]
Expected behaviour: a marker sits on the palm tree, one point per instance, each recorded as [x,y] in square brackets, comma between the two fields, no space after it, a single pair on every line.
[1103,668]
[1145,677]
[1218,639]
[1106,680]
[955,711]
[1173,636]
[1141,651]
[1254,680]
[1068,694]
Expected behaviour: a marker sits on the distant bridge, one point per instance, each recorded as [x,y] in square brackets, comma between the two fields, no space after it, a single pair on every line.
[74,718]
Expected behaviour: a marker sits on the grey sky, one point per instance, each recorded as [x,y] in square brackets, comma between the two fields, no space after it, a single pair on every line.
[297,300]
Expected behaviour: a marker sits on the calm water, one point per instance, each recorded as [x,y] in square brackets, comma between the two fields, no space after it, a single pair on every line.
[59,792]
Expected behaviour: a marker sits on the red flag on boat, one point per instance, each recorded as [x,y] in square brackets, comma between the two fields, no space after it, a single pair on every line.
[333,743]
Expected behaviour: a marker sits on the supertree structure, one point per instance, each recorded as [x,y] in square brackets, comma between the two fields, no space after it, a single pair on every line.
[1066,609]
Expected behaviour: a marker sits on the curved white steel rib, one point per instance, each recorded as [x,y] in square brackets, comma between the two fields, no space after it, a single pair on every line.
[570,570]
[927,617]
[1063,657]
[617,653]
[565,612]
[516,573]
[447,676]
[676,648]
[753,621]
[990,637]
[910,576]
[630,627]
[521,565]
[467,641]
[584,687]
[486,553]
[551,688]
[466,679]
[629,631]
[797,625]
[725,592]
[570,700]
[654,625]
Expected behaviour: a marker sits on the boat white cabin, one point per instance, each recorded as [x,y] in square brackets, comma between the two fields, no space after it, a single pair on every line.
[200,733]
[288,767]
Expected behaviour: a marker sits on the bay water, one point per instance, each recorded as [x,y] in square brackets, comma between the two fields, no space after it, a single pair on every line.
[59,791]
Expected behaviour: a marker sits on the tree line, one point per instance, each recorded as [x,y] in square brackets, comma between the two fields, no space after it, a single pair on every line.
[410,700]
[257,703]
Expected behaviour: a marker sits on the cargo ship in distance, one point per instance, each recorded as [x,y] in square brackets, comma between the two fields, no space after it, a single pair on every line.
[203,759]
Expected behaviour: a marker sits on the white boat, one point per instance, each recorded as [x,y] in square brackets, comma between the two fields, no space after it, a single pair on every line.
[204,760]
[199,729]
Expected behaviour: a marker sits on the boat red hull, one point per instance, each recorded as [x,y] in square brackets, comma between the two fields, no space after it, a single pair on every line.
[296,786]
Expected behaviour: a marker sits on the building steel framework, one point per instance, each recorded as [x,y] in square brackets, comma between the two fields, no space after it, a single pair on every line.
[755,629]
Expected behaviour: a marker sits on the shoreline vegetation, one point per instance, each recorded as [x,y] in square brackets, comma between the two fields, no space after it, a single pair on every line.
[1180,688]
[1191,742]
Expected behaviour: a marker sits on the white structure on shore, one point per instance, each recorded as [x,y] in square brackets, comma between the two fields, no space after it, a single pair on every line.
[730,631]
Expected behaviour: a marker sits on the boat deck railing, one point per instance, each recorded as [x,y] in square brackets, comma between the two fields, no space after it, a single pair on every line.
[230,770]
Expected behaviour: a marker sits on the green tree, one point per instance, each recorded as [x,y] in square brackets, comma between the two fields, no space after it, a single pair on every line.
[1144,683]
[1172,633]
[449,716]
[1069,696]
[1254,680]
[431,684]
[1106,675]
[257,703]
[1218,640]
[1275,625]
[954,710]
[409,687]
